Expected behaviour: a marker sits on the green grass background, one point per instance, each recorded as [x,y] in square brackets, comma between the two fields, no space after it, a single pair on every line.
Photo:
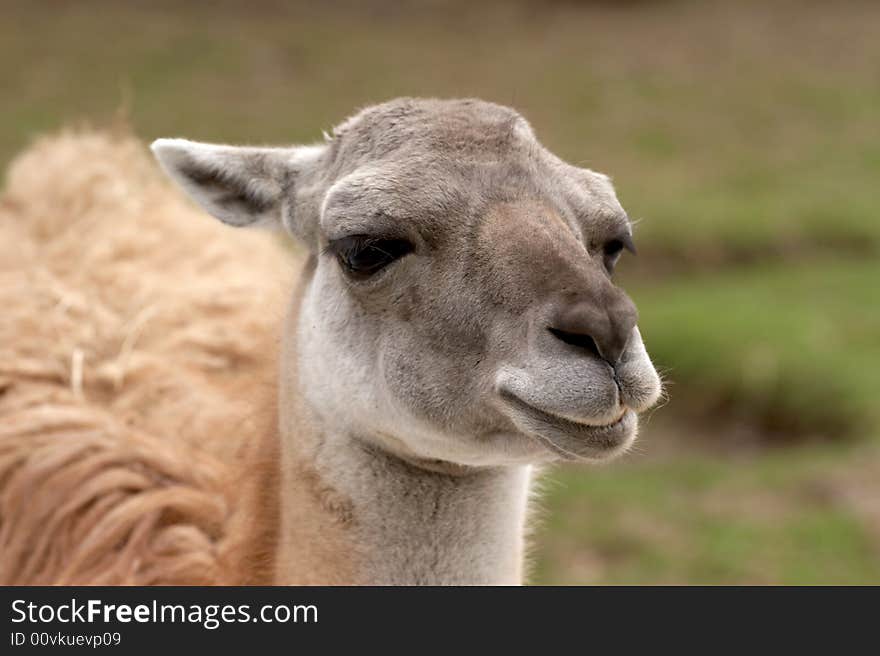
[744,137]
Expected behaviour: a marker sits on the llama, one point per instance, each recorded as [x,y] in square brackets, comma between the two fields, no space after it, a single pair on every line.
[454,325]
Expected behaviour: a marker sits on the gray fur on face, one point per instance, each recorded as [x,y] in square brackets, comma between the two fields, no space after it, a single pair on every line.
[446,353]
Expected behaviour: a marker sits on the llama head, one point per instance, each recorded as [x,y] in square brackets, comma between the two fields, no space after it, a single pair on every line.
[459,303]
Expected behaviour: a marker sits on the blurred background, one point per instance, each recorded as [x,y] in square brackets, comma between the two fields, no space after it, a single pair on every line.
[744,137]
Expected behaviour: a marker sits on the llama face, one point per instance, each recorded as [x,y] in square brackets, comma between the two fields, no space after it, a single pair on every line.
[459,304]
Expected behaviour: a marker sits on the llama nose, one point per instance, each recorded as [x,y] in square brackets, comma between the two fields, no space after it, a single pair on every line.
[602,329]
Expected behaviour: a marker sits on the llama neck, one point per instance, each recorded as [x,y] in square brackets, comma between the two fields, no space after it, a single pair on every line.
[431,528]
[388,521]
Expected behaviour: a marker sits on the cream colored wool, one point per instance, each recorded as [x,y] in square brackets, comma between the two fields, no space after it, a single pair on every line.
[138,339]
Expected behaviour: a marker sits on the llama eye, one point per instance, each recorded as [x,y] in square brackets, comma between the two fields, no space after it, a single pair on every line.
[361,256]
[613,249]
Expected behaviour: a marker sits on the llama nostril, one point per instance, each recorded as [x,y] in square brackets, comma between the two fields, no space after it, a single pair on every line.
[585,342]
[602,329]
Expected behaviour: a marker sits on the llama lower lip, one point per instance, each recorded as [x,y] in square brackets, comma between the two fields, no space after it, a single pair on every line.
[569,439]
[619,419]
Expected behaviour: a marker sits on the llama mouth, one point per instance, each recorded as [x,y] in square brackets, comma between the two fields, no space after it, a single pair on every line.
[572,440]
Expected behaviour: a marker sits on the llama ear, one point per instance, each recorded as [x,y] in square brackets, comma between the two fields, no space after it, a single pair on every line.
[241,186]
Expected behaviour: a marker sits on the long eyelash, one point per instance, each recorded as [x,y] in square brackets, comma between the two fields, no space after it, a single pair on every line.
[346,245]
[373,246]
[353,243]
